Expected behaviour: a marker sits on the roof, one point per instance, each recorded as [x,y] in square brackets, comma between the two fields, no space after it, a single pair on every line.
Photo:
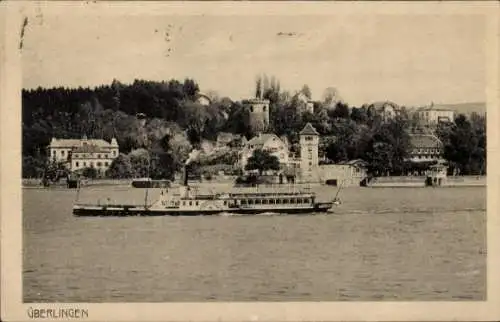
[309,130]
[259,141]
[75,143]
[227,136]
[380,105]
[434,108]
[425,141]
[203,96]
[87,148]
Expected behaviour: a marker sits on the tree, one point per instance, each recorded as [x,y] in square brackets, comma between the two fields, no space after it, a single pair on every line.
[341,111]
[262,160]
[359,115]
[306,91]
[465,144]
[89,173]
[331,96]
[258,87]
[389,147]
[141,162]
[120,168]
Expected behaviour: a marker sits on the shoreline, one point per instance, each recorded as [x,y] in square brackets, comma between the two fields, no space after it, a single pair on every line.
[381,182]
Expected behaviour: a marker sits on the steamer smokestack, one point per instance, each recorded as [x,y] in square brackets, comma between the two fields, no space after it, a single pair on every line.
[185,178]
[193,156]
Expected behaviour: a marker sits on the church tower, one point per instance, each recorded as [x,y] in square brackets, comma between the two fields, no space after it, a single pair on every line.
[259,114]
[309,160]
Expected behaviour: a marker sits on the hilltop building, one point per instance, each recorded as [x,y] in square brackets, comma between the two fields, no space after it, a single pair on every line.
[425,148]
[432,115]
[305,103]
[85,153]
[203,99]
[259,113]
[387,110]
[227,139]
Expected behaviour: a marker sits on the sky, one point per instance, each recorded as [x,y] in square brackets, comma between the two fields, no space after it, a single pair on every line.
[409,59]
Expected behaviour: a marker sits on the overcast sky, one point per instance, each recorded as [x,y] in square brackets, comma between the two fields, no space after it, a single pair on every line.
[411,60]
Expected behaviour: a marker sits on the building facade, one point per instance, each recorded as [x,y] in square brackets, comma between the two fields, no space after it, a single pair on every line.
[203,99]
[433,115]
[425,148]
[267,142]
[84,153]
[259,114]
[305,103]
[309,159]
[386,110]
[344,174]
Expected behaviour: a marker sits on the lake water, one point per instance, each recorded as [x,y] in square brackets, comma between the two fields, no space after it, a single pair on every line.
[380,244]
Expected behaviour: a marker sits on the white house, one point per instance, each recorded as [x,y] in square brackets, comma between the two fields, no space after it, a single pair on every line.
[387,110]
[305,103]
[433,115]
[203,99]
[267,142]
[84,153]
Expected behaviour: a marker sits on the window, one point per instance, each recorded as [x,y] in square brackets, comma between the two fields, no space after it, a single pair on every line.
[84,164]
[54,153]
[91,164]
[250,202]
[98,156]
[257,201]
[196,203]
[264,202]
[106,163]
[62,152]
[310,149]
[278,201]
[225,202]
[114,153]
[310,163]
[183,203]
[309,138]
[76,164]
[98,164]
[190,203]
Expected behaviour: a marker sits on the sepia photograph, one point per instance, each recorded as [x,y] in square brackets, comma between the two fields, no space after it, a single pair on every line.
[181,153]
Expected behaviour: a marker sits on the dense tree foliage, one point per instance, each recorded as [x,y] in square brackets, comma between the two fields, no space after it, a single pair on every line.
[262,161]
[465,144]
[156,124]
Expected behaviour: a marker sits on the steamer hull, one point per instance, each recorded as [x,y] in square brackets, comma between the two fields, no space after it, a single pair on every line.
[120,211]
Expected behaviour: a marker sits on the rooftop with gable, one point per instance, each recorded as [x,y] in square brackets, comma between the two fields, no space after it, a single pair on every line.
[309,130]
[425,141]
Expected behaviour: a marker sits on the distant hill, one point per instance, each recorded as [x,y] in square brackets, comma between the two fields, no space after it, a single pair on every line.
[466,108]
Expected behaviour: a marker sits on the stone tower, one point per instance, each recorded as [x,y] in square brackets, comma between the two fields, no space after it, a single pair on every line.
[258,113]
[309,142]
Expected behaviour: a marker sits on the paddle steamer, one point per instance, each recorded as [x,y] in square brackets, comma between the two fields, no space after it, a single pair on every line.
[187,201]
